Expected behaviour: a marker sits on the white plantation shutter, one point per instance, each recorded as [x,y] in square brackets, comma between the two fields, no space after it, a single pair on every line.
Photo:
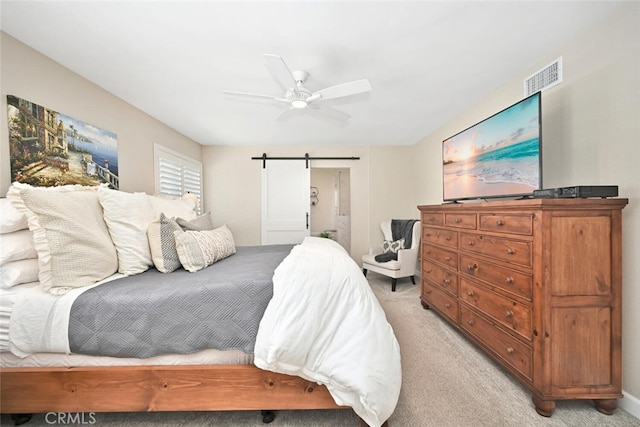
[177,174]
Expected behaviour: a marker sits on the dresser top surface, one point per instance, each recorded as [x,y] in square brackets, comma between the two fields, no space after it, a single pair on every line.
[559,203]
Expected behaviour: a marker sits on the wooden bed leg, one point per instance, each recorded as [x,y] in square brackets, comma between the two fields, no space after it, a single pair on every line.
[363,424]
[19,419]
[268,416]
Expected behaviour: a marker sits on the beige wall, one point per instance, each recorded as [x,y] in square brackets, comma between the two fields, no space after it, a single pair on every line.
[591,136]
[232,187]
[28,74]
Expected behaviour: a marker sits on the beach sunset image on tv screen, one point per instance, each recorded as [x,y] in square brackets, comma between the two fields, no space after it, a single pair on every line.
[498,157]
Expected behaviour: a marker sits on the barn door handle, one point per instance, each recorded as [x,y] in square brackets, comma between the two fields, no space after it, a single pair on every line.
[307,220]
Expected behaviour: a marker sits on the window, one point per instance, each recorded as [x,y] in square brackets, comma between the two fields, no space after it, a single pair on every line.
[177,174]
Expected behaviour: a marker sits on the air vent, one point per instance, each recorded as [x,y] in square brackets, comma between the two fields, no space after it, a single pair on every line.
[549,76]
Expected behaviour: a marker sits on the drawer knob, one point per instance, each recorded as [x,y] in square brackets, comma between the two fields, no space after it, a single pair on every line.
[447,238]
[447,258]
[509,280]
[447,305]
[470,322]
[471,243]
[428,234]
[510,350]
[470,293]
[457,220]
[499,223]
[446,281]
[508,313]
[472,267]
[511,251]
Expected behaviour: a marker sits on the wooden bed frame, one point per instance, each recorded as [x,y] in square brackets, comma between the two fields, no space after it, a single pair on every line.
[157,388]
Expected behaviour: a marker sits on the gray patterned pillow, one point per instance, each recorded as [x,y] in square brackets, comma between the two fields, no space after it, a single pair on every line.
[201,223]
[200,249]
[392,246]
[163,244]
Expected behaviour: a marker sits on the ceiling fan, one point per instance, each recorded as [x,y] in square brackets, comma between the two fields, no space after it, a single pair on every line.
[299,97]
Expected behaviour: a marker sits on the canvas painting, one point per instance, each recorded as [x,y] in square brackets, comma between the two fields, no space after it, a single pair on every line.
[48,148]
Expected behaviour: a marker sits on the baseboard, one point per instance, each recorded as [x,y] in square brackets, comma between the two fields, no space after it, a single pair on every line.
[630,403]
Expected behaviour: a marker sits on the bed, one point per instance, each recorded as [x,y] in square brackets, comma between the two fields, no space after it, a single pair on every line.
[321,340]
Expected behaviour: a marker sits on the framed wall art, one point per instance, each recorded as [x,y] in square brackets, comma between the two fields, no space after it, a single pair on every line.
[48,148]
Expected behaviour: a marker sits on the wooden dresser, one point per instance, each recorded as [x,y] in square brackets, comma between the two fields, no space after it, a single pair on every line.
[536,284]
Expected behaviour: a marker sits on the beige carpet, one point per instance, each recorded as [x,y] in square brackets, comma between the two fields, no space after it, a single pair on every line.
[446,382]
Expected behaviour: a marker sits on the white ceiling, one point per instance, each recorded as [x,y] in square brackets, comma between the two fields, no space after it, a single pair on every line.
[426,60]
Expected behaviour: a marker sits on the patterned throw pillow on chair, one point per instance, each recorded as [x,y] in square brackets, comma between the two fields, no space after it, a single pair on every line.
[392,246]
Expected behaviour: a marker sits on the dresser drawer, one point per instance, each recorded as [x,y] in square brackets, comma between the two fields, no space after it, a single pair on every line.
[515,224]
[513,315]
[432,218]
[440,277]
[515,251]
[513,352]
[501,277]
[460,220]
[440,236]
[443,256]
[441,301]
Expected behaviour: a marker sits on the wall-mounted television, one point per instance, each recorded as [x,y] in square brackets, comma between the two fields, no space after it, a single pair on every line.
[500,156]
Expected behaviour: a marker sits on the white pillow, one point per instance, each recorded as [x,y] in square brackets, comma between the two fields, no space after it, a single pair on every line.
[11,218]
[173,208]
[200,249]
[70,235]
[18,272]
[128,216]
[16,246]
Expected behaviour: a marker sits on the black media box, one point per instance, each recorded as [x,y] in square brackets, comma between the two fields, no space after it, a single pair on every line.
[584,191]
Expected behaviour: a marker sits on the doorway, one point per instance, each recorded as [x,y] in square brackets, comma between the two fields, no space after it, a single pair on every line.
[330,204]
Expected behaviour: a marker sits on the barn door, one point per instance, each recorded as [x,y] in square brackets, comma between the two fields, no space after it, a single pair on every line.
[285,201]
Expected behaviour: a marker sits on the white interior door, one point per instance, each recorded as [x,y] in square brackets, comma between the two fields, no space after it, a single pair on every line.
[285,201]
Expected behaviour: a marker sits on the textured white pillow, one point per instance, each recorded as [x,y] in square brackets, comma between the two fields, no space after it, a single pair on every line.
[11,218]
[128,216]
[173,208]
[16,246]
[200,249]
[71,238]
[18,272]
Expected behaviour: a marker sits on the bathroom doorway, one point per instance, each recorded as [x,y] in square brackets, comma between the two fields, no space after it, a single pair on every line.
[330,200]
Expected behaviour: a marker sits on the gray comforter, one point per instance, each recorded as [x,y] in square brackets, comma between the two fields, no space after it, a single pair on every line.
[153,313]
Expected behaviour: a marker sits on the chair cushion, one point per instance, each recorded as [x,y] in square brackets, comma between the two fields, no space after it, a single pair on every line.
[371,260]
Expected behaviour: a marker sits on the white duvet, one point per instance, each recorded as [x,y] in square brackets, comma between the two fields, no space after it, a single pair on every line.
[325,324]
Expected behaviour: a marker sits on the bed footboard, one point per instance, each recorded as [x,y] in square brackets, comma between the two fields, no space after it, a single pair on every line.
[156,388]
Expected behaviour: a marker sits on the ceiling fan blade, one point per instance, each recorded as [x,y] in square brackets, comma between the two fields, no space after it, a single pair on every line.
[344,89]
[329,112]
[280,71]
[287,113]
[255,95]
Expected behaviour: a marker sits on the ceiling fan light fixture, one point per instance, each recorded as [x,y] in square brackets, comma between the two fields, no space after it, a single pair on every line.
[298,103]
